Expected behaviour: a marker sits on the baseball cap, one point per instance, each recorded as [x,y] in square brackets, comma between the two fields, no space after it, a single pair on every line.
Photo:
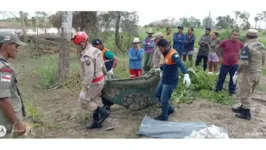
[96,42]
[9,37]
[180,27]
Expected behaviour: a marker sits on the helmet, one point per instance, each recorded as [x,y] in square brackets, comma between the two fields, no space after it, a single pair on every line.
[79,37]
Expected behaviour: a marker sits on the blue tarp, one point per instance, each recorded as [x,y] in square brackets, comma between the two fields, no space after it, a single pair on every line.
[164,129]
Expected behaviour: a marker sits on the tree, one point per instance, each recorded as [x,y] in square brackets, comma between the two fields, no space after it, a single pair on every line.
[193,22]
[264,17]
[237,14]
[55,19]
[260,16]
[244,20]
[86,21]
[207,22]
[64,53]
[225,22]
[22,21]
[256,19]
[117,27]
[184,21]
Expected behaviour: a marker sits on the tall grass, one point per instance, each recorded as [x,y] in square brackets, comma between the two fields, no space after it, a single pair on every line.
[46,70]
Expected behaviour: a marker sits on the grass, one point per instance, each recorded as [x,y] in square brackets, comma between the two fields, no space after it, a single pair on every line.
[47,67]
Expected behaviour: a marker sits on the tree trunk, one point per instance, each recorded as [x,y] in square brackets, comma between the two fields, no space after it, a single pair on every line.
[22,26]
[117,26]
[64,54]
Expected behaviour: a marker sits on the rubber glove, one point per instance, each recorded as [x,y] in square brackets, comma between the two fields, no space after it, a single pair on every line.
[235,78]
[187,80]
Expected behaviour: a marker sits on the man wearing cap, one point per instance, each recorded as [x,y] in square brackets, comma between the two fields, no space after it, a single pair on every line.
[93,72]
[135,55]
[252,60]
[110,61]
[148,44]
[231,48]
[169,79]
[178,41]
[12,110]
[203,51]
[109,58]
[157,58]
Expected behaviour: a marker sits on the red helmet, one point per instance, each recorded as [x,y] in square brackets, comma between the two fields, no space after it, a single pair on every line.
[79,37]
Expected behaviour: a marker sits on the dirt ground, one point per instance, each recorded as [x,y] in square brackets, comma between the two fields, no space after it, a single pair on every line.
[64,119]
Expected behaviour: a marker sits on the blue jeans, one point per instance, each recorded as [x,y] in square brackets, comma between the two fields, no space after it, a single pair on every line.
[223,72]
[163,93]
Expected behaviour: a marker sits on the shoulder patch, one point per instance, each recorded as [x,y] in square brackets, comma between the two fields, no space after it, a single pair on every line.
[95,52]
[86,59]
[99,55]
[5,77]
[6,69]
[176,55]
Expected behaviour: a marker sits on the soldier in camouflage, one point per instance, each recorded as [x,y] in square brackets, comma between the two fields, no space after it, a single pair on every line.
[93,72]
[252,60]
[12,111]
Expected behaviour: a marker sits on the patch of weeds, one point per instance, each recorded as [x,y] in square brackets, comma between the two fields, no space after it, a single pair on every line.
[73,81]
[33,113]
[264,72]
[222,97]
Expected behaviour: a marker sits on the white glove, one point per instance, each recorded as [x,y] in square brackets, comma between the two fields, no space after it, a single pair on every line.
[187,80]
[110,71]
[82,95]
[157,69]
[235,78]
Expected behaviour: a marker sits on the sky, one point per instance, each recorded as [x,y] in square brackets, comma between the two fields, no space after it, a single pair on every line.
[152,10]
[146,18]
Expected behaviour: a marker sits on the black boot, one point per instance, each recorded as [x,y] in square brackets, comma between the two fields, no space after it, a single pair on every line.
[103,114]
[107,104]
[244,114]
[170,111]
[159,118]
[238,109]
[95,122]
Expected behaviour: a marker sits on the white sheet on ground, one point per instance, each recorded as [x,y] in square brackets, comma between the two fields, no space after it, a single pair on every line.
[187,130]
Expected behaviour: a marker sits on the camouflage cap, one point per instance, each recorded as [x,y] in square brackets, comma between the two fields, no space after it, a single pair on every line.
[158,35]
[252,32]
[9,37]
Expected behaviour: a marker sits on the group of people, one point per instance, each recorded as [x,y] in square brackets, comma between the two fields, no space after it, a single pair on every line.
[181,42]
[97,62]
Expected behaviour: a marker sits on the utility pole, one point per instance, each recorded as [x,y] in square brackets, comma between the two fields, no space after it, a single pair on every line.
[209,19]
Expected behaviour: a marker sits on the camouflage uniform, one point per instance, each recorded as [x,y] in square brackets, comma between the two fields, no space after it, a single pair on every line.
[93,72]
[8,85]
[157,58]
[252,60]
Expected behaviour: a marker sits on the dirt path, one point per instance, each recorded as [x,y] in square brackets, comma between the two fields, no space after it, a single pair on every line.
[63,119]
